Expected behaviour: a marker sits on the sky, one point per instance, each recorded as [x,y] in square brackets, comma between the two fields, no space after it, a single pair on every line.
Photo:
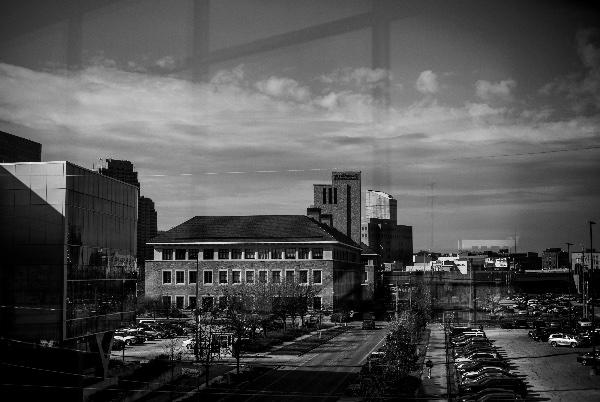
[491,129]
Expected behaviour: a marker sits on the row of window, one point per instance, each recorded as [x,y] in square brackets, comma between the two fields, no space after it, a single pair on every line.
[209,301]
[330,191]
[250,277]
[247,254]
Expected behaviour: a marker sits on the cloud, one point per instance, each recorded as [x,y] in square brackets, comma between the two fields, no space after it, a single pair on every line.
[361,77]
[171,126]
[490,91]
[582,90]
[284,88]
[427,83]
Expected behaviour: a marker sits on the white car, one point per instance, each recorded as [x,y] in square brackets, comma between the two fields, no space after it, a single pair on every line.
[560,339]
[189,343]
[126,338]
[477,356]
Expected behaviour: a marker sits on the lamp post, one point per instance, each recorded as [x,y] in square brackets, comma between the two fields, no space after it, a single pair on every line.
[197,307]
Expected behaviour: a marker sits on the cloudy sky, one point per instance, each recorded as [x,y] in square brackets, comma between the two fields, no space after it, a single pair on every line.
[491,129]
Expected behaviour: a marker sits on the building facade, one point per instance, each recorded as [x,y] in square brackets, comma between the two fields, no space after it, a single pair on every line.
[380,205]
[147,224]
[392,241]
[18,149]
[68,274]
[220,251]
[341,201]
[554,258]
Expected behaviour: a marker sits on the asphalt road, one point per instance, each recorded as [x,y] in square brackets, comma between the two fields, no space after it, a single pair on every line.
[552,374]
[321,375]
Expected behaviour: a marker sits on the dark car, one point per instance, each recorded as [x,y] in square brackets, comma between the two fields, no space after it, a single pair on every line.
[520,324]
[118,344]
[588,359]
[504,382]
[368,324]
[476,365]
[469,375]
[506,324]
[540,334]
[478,396]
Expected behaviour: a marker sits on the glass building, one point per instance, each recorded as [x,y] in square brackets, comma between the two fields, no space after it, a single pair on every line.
[68,243]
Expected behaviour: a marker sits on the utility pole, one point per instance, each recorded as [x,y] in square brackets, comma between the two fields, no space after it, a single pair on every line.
[197,308]
[591,280]
[570,268]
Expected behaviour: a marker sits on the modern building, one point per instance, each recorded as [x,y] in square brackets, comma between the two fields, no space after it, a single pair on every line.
[487,245]
[147,217]
[392,241]
[380,205]
[18,149]
[67,273]
[120,170]
[554,258]
[340,203]
[219,251]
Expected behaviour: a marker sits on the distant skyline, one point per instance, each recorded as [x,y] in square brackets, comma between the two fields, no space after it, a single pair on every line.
[494,110]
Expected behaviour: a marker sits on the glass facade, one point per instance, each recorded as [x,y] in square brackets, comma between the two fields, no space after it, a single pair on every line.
[70,237]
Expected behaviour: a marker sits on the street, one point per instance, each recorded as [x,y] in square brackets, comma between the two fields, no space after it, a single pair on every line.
[322,374]
[552,374]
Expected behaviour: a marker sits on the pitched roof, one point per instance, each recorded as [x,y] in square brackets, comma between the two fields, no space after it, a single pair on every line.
[366,250]
[255,228]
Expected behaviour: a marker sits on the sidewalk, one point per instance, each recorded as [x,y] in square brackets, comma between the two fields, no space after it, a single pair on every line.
[434,388]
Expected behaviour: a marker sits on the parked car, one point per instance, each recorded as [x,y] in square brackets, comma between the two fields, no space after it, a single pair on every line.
[468,375]
[368,324]
[491,394]
[560,339]
[477,356]
[478,364]
[124,337]
[118,344]
[589,358]
[503,382]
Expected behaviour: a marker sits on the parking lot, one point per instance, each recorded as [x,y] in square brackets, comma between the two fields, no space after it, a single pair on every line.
[550,373]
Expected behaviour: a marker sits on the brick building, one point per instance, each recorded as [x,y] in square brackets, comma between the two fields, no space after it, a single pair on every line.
[227,250]
[340,202]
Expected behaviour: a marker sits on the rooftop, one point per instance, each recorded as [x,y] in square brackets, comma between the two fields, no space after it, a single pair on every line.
[254,228]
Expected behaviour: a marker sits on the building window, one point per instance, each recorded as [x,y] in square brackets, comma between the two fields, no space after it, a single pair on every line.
[208,277]
[335,195]
[179,302]
[303,276]
[207,302]
[276,277]
[317,277]
[262,276]
[316,303]
[290,253]
[330,195]
[192,277]
[222,302]
[222,277]
[192,301]
[263,254]
[208,254]
[193,254]
[167,254]
[167,280]
[223,254]
[179,277]
[303,253]
[353,257]
[249,254]
[236,277]
[289,276]
[250,277]
[317,253]
[180,254]
[276,254]
[365,276]
[166,302]
[324,195]
[236,254]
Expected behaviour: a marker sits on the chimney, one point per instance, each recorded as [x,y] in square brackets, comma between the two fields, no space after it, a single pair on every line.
[327,219]
[314,213]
